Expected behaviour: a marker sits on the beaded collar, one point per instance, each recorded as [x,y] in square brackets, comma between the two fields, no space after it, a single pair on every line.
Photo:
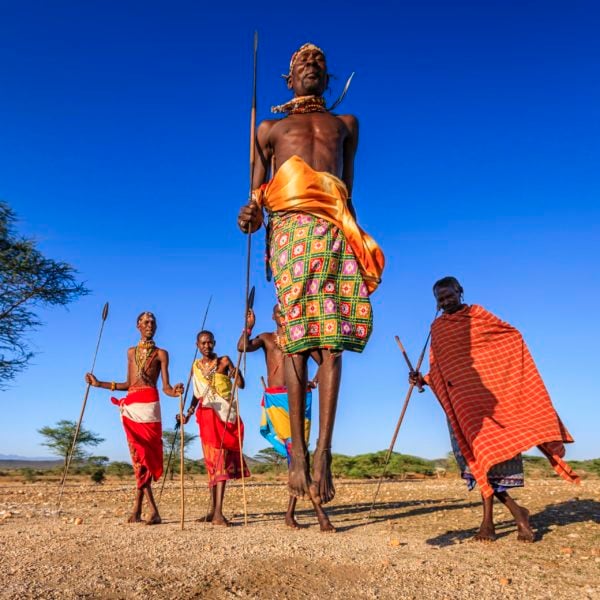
[301,105]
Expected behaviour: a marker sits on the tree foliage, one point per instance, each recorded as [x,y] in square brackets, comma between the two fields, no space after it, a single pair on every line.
[172,438]
[28,281]
[60,437]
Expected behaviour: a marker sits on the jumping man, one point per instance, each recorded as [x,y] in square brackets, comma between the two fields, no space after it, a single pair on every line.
[324,266]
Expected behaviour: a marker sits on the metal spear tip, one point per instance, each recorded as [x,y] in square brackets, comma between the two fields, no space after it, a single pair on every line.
[105,312]
[251,297]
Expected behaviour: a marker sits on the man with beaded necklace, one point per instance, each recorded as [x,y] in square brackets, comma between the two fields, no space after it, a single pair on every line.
[140,411]
[324,265]
[217,417]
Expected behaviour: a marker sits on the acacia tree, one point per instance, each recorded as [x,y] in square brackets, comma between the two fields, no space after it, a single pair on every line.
[60,438]
[28,281]
[172,439]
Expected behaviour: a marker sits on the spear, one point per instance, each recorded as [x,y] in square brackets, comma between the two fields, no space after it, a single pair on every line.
[249,294]
[235,400]
[181,460]
[411,387]
[251,183]
[85,397]
[187,387]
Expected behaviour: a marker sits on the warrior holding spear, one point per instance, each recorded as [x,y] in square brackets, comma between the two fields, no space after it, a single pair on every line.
[275,418]
[140,411]
[496,403]
[325,266]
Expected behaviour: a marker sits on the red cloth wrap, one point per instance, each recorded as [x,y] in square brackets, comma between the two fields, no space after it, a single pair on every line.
[212,430]
[144,439]
[221,464]
[487,383]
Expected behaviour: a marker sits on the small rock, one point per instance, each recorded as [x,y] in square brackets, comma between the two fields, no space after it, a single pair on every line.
[504,581]
[78,521]
[595,551]
[566,550]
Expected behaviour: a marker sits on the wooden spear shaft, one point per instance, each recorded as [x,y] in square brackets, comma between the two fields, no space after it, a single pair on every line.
[187,388]
[411,387]
[242,464]
[85,397]
[181,459]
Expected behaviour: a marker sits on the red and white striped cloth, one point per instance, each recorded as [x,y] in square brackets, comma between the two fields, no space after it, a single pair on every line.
[140,415]
[487,383]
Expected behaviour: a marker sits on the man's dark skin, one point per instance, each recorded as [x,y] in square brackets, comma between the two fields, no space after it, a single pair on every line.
[206,344]
[146,378]
[326,142]
[275,358]
[449,301]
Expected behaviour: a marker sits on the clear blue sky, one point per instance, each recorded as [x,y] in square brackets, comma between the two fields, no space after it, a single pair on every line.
[124,151]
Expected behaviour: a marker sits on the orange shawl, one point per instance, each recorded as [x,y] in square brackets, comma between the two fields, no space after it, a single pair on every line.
[487,383]
[296,187]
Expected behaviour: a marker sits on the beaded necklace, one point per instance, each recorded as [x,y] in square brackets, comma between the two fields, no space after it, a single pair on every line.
[208,371]
[143,351]
[301,105]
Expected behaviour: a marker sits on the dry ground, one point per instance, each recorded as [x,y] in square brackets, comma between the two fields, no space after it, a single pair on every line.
[416,546]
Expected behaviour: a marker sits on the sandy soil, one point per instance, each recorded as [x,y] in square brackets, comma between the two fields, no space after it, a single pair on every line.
[416,546]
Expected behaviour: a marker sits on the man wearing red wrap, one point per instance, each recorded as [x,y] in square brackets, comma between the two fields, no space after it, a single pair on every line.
[140,411]
[217,417]
[496,403]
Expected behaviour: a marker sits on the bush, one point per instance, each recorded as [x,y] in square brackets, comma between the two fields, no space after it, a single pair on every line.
[98,476]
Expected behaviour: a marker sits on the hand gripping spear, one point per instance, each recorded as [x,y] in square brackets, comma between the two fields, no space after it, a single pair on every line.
[85,397]
[187,387]
[411,387]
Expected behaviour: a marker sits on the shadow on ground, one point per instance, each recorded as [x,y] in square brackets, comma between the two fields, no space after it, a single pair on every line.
[553,516]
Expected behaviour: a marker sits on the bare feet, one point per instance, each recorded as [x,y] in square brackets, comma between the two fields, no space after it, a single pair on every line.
[486,533]
[298,478]
[154,519]
[205,519]
[322,487]
[324,522]
[219,520]
[135,517]
[525,533]
[291,522]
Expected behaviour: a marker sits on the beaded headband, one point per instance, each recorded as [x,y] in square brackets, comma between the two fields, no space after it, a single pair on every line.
[295,56]
[146,314]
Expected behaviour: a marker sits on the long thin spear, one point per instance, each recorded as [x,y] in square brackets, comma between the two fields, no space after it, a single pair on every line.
[411,387]
[242,355]
[251,182]
[234,400]
[85,397]
[181,460]
[187,387]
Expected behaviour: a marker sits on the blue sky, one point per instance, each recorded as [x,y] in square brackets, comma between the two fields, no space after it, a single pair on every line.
[125,152]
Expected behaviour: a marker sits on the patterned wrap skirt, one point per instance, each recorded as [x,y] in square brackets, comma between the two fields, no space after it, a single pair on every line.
[319,286]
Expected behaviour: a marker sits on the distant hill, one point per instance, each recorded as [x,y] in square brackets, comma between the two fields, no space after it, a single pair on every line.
[29,463]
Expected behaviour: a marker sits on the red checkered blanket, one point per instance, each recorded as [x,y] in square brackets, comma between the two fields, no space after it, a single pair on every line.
[487,383]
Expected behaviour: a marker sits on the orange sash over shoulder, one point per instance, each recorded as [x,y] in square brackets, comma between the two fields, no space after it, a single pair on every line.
[486,380]
[297,187]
